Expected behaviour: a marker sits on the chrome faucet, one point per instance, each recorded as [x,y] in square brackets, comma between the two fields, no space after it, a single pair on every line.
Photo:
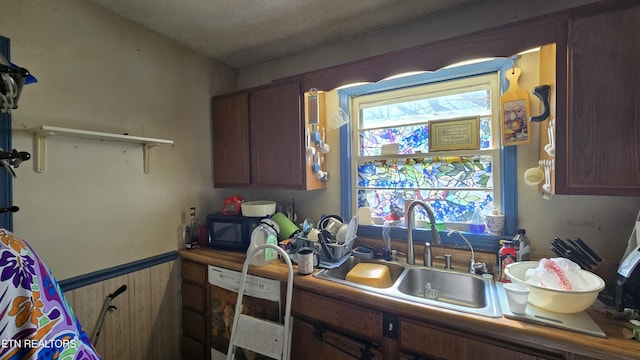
[411,257]
[472,262]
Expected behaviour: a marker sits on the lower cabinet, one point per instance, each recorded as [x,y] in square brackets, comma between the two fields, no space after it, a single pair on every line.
[315,341]
[428,342]
[195,327]
[327,329]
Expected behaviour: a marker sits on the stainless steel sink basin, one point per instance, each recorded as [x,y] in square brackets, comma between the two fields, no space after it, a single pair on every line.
[453,288]
[457,291]
[340,273]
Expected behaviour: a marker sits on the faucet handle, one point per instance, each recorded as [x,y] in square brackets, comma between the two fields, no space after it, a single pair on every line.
[478,268]
[447,261]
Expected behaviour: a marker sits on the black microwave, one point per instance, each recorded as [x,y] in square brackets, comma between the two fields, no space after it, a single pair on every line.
[230,232]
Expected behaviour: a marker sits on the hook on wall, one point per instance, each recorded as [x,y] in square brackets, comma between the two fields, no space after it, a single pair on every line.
[13,159]
[542,92]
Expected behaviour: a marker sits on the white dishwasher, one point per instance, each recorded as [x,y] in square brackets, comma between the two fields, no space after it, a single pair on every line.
[261,300]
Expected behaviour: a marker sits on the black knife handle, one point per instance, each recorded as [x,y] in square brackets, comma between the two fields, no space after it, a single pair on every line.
[582,253]
[588,250]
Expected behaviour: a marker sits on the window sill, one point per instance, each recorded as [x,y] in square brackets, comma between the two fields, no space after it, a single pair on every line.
[484,242]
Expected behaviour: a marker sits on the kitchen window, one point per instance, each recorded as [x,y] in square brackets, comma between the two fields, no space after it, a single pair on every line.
[389,163]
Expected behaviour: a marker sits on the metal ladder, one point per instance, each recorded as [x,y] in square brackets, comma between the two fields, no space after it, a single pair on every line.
[264,337]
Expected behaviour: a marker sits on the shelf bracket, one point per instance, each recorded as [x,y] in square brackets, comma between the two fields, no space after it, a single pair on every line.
[146,156]
[41,149]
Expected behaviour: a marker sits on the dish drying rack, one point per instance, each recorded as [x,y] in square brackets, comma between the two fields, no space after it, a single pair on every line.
[330,254]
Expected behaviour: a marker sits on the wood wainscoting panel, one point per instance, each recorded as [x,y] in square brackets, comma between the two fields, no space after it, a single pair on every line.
[146,323]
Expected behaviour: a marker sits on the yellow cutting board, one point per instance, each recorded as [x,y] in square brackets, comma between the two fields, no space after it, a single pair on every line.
[515,111]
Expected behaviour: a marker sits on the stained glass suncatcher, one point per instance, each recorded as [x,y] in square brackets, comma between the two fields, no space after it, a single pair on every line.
[453,183]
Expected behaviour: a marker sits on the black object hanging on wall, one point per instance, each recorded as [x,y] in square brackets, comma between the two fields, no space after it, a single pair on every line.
[542,92]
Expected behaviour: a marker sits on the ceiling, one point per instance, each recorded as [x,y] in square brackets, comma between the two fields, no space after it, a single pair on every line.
[244,33]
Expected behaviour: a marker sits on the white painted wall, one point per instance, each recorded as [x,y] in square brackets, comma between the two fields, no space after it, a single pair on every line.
[94,207]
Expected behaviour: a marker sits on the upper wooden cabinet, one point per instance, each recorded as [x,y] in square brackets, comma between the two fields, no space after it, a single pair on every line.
[230,114]
[599,146]
[596,91]
[258,139]
[276,136]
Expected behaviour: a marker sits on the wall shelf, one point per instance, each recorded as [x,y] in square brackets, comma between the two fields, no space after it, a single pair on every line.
[41,133]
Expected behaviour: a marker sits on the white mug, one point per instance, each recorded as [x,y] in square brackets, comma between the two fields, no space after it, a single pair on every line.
[333,225]
[307,259]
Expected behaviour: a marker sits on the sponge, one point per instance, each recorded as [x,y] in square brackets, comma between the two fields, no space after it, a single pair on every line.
[370,274]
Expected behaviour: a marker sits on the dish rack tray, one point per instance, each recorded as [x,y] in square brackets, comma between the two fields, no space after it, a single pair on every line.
[334,254]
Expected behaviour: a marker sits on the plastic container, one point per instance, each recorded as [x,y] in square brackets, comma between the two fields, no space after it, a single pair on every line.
[561,301]
[506,255]
[522,245]
[286,227]
[265,233]
[259,208]
[370,274]
[477,225]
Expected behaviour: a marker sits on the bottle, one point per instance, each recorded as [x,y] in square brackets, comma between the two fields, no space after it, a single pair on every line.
[477,222]
[506,255]
[265,233]
[192,231]
[522,245]
[386,241]
[497,269]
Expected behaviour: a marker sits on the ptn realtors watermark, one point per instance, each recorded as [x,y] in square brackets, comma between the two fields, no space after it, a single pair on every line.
[33,344]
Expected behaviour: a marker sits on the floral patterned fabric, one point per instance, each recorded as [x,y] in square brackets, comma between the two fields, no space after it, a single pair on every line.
[36,322]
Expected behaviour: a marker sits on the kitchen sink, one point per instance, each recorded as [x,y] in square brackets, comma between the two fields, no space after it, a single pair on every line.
[458,291]
[340,273]
[453,288]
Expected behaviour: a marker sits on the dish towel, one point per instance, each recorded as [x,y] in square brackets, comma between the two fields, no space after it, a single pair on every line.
[36,322]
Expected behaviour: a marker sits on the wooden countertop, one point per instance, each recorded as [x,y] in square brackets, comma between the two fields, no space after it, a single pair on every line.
[617,345]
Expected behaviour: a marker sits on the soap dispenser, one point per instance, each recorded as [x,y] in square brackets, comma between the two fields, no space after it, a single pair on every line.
[386,241]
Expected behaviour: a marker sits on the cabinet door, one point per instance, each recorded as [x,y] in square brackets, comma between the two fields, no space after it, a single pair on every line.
[317,343]
[603,123]
[276,136]
[230,136]
[435,343]
[356,320]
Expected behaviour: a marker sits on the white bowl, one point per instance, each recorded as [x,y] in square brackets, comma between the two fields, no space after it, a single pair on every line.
[561,301]
[259,208]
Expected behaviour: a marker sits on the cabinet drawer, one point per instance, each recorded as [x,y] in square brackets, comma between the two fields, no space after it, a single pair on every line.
[352,319]
[309,345]
[194,272]
[193,297]
[193,325]
[441,344]
[193,350]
